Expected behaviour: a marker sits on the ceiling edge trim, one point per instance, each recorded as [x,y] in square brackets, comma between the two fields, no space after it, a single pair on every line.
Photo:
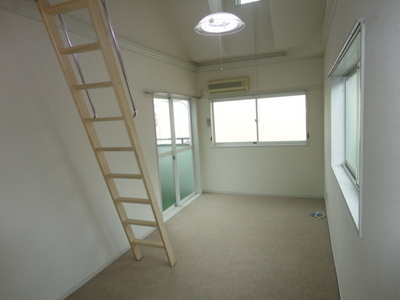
[329,13]
[167,94]
[242,64]
[30,11]
[254,62]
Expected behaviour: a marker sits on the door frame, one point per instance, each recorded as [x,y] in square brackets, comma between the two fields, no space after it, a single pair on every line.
[174,151]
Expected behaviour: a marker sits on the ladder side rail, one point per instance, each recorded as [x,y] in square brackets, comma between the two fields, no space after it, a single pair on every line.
[102,36]
[70,77]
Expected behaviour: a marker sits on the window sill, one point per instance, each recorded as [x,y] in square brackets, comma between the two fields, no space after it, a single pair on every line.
[350,193]
[261,144]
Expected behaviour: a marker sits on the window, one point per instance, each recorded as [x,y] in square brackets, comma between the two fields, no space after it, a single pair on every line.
[347,118]
[264,120]
[241,2]
[234,121]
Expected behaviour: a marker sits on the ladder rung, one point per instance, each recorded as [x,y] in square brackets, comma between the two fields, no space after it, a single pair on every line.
[114,149]
[148,243]
[140,222]
[132,200]
[64,7]
[96,85]
[124,176]
[80,48]
[104,119]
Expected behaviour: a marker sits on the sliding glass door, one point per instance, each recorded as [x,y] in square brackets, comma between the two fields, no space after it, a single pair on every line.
[175,150]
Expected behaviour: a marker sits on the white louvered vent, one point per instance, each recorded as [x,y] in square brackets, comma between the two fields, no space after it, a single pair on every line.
[229,85]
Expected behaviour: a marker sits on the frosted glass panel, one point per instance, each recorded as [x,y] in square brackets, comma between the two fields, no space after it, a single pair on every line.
[282,118]
[185,173]
[167,181]
[235,121]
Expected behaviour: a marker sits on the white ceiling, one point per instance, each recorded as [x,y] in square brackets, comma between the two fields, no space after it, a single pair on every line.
[272,27]
[290,28]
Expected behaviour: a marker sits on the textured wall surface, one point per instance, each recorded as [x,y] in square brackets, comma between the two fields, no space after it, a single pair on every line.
[368,266]
[57,222]
[271,170]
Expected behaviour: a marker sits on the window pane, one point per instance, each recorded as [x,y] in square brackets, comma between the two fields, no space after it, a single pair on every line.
[167,181]
[282,119]
[240,2]
[163,128]
[186,173]
[352,123]
[182,122]
[234,121]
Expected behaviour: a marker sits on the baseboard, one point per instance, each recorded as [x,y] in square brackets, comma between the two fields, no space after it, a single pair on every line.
[92,274]
[264,194]
[101,268]
[168,215]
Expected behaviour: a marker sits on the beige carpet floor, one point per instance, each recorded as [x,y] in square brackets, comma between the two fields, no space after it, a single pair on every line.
[230,247]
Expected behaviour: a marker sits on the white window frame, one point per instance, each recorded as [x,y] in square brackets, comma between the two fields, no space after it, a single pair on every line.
[258,143]
[351,57]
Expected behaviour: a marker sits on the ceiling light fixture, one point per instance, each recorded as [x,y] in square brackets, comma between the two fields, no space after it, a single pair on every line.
[218,24]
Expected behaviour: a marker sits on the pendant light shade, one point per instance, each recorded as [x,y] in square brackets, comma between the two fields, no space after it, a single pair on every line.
[219,24]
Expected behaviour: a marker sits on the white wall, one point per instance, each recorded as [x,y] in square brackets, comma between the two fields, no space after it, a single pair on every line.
[57,222]
[277,170]
[368,267]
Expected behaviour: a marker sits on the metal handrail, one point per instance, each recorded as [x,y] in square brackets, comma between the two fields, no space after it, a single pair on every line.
[183,140]
[119,54]
[64,28]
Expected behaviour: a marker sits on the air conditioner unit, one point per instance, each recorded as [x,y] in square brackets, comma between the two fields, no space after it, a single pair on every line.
[229,85]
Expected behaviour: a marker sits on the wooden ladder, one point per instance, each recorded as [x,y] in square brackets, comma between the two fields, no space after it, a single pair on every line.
[48,13]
